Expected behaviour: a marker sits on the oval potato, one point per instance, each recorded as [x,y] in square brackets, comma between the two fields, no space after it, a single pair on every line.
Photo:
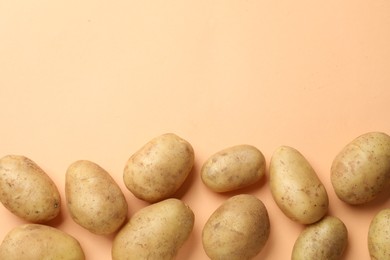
[156,231]
[379,236]
[323,240]
[295,186]
[94,200]
[233,168]
[37,242]
[27,191]
[238,229]
[361,170]
[159,168]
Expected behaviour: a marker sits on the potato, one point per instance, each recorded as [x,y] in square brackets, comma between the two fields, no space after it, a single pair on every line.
[27,191]
[295,186]
[159,168]
[324,240]
[361,170]
[238,229]
[156,231]
[39,242]
[94,200]
[233,168]
[379,236]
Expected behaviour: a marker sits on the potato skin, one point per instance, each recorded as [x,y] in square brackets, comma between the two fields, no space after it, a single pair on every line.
[362,168]
[233,168]
[27,191]
[295,186]
[94,199]
[155,232]
[379,236]
[323,240]
[159,168]
[40,242]
[238,229]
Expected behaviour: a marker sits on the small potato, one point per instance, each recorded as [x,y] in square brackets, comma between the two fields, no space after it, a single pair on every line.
[324,240]
[94,200]
[27,191]
[295,186]
[361,170]
[39,242]
[155,232]
[233,168]
[238,229]
[379,236]
[158,169]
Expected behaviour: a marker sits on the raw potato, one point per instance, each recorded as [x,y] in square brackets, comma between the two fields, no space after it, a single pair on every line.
[233,168]
[238,229]
[39,242]
[295,186]
[379,236]
[155,232]
[324,240]
[94,199]
[361,170]
[27,191]
[158,169]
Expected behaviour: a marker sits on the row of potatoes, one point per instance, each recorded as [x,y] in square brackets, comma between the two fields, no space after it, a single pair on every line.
[238,229]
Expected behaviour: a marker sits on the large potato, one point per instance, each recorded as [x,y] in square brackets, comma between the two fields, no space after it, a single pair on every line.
[39,242]
[27,191]
[362,168]
[295,186]
[238,229]
[379,236]
[233,168]
[155,232]
[324,240]
[93,198]
[159,168]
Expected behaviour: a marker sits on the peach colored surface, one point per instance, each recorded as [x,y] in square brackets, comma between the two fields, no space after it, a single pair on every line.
[98,79]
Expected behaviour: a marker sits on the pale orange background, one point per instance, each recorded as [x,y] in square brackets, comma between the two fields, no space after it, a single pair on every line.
[96,80]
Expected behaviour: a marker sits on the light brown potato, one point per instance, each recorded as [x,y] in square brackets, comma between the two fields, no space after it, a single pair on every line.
[361,170]
[324,240]
[159,168]
[94,200]
[155,232]
[39,242]
[233,168]
[27,191]
[295,186]
[379,236]
[238,229]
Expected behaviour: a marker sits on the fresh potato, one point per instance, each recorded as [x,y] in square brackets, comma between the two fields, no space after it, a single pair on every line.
[379,236]
[362,169]
[27,191]
[39,242]
[295,186]
[238,229]
[159,168]
[155,232]
[94,200]
[324,240]
[233,168]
